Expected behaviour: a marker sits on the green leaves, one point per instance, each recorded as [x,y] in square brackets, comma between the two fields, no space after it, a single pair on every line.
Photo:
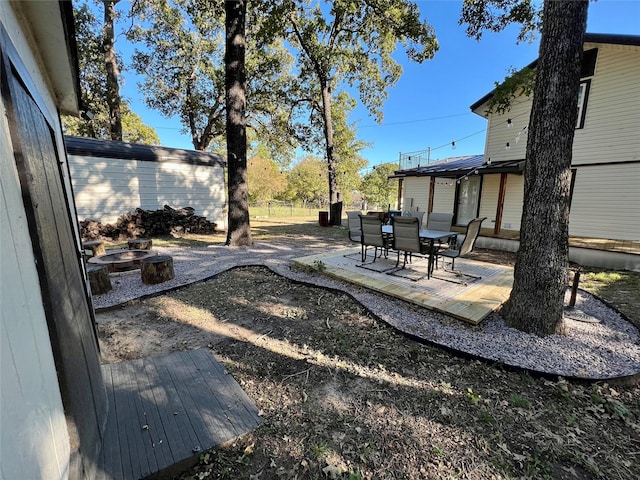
[496,15]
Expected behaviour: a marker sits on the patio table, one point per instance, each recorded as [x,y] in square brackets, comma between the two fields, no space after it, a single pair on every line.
[426,234]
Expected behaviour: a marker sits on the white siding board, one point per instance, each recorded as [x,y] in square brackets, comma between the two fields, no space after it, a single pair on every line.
[105,188]
[513,201]
[613,110]
[34,442]
[605,202]
[444,195]
[489,199]
[612,117]
[416,188]
[499,134]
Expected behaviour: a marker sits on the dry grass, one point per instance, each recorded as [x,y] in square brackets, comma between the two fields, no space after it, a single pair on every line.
[343,396]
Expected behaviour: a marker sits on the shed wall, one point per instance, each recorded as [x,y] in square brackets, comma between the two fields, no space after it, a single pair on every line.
[34,442]
[105,188]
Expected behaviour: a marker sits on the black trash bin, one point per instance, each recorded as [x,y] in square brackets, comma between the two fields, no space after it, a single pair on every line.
[323,219]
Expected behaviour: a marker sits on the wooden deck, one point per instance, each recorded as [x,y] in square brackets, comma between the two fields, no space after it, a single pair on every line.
[604,244]
[470,302]
[164,411]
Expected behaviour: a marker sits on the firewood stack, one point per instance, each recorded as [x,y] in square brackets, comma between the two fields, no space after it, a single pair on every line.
[149,223]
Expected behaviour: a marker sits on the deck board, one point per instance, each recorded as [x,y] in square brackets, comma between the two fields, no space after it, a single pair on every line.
[470,302]
[166,410]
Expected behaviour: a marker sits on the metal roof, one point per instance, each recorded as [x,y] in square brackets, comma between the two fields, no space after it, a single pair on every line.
[461,166]
[94,147]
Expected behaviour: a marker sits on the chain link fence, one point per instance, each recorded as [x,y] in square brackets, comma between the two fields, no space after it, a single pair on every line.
[280,209]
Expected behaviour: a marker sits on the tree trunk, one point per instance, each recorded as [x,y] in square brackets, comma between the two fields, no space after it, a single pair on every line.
[239,231]
[332,167]
[540,276]
[111,65]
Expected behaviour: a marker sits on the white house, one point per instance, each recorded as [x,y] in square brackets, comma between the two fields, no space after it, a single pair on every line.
[52,398]
[111,178]
[605,196]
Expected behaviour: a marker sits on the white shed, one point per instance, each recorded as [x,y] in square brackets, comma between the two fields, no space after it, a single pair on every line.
[111,178]
[53,403]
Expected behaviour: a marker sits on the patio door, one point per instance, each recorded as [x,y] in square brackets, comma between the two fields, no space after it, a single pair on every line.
[468,199]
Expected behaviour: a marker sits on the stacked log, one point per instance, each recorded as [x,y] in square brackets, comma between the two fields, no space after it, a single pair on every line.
[149,223]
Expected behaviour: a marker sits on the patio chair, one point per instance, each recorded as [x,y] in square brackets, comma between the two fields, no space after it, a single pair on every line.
[442,222]
[466,247]
[418,215]
[372,236]
[406,238]
[353,222]
[439,221]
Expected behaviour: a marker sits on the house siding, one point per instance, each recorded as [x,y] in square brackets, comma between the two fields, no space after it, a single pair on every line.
[612,121]
[444,195]
[605,202]
[105,188]
[34,441]
[489,199]
[605,151]
[416,189]
[513,202]
[499,134]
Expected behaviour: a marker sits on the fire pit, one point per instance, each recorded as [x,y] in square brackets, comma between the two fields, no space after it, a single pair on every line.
[123,260]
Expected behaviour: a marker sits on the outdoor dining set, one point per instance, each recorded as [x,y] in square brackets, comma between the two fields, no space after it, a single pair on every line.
[405,234]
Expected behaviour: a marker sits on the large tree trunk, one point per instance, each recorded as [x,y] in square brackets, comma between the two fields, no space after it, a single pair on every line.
[540,276]
[111,65]
[332,167]
[239,232]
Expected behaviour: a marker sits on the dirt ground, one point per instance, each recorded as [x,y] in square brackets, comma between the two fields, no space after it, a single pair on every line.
[343,396]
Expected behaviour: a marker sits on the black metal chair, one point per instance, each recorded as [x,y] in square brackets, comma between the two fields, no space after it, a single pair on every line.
[466,246]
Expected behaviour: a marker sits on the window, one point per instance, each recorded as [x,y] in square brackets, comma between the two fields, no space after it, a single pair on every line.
[583,95]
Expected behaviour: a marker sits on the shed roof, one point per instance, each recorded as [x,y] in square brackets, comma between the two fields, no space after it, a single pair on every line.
[460,166]
[94,147]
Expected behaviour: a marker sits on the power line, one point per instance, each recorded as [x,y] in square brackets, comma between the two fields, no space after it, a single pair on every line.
[414,121]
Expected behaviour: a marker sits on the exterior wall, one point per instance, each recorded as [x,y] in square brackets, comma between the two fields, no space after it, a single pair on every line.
[604,195]
[499,134]
[513,201]
[605,202]
[105,188]
[489,199]
[444,195]
[612,121]
[612,118]
[416,189]
[34,442]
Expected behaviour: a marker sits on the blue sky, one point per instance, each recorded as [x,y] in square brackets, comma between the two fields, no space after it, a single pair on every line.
[429,106]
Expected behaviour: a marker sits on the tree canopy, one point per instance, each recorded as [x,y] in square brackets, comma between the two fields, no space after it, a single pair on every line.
[377,188]
[93,85]
[347,43]
[181,57]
